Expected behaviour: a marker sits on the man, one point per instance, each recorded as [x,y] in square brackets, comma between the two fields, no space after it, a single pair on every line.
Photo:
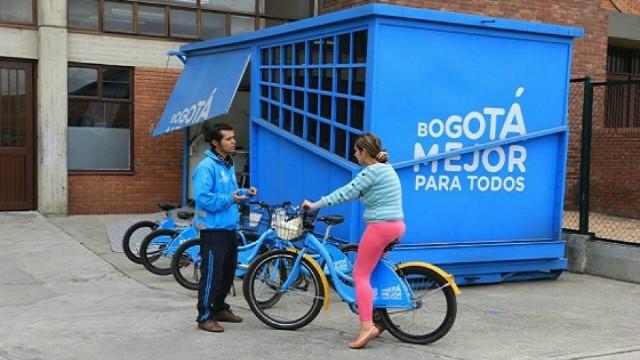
[217,197]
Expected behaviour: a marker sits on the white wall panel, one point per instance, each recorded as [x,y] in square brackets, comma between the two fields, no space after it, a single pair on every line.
[18,43]
[121,50]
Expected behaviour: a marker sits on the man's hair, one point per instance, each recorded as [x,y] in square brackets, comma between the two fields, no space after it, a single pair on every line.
[212,131]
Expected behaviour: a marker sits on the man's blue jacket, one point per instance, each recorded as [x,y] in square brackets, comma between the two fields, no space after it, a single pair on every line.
[214,182]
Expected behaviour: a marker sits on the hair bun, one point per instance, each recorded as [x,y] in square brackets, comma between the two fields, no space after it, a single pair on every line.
[382,156]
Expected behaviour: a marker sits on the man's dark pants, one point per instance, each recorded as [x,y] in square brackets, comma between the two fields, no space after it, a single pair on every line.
[219,254]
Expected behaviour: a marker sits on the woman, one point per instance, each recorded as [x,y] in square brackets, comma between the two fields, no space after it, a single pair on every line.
[378,187]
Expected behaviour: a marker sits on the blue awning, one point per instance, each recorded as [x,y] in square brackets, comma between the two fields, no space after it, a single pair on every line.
[204,90]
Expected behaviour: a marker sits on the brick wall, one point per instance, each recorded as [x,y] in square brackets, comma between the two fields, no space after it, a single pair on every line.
[157,161]
[590,52]
[625,6]
[615,170]
[615,188]
[572,190]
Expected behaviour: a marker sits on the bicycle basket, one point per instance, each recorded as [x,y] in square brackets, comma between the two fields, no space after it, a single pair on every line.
[287,229]
[253,219]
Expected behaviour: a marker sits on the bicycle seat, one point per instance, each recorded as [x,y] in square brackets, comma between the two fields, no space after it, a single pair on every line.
[331,219]
[166,206]
[185,215]
[391,245]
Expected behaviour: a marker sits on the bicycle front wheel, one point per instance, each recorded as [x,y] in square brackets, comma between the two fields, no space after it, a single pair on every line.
[434,312]
[133,238]
[283,309]
[185,264]
[152,251]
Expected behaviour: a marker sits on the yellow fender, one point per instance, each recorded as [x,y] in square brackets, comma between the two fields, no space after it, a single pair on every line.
[323,278]
[436,269]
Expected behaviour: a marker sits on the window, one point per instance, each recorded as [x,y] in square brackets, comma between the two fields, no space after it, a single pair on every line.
[213,25]
[184,3]
[99,118]
[266,23]
[179,19]
[152,20]
[83,14]
[242,24]
[247,6]
[622,90]
[118,16]
[315,89]
[14,95]
[287,9]
[18,12]
[183,23]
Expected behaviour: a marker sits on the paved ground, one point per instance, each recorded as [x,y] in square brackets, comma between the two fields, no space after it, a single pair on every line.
[65,295]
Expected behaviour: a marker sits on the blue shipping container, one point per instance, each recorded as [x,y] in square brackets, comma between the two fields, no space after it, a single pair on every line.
[472,110]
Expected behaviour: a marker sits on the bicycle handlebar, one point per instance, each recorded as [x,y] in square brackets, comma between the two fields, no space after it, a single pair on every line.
[264,205]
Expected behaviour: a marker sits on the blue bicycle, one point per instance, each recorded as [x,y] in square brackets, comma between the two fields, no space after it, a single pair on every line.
[255,226]
[415,301]
[158,247]
[136,233]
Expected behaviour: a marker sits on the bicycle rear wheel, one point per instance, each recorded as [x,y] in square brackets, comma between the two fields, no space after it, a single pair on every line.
[133,238]
[288,309]
[351,251]
[152,251]
[185,264]
[434,312]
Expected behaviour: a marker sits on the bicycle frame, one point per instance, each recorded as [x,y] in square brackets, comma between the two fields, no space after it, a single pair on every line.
[389,289]
[246,253]
[184,234]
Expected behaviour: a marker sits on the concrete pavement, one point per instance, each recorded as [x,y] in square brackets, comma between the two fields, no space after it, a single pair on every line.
[65,295]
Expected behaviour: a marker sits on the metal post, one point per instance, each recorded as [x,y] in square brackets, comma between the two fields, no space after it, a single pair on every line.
[585,157]
[185,167]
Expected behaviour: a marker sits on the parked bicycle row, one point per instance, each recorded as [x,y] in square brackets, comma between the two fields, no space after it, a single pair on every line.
[287,269]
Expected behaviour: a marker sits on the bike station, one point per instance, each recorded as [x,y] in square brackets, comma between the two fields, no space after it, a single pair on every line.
[473,111]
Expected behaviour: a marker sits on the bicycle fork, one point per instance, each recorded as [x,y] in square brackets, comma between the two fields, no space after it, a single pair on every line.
[295,271]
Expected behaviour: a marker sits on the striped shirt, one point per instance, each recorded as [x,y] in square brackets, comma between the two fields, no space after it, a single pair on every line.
[378,187]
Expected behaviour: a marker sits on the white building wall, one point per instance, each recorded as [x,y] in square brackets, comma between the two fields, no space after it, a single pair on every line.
[121,51]
[51,103]
[18,43]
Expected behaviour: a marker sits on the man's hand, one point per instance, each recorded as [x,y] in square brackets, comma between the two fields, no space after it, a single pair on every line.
[252,191]
[237,197]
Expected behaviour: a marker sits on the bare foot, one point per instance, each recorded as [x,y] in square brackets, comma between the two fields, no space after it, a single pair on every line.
[364,338]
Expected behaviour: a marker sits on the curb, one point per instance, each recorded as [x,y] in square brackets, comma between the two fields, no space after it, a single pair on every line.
[617,261]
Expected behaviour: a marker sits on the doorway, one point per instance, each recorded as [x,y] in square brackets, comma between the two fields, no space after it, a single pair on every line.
[17,144]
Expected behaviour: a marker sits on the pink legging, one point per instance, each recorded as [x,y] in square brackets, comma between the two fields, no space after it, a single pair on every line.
[376,236]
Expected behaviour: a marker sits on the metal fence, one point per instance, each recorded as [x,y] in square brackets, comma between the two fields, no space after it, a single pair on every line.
[603,172]
[572,190]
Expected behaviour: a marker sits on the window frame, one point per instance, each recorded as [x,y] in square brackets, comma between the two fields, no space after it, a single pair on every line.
[623,71]
[34,19]
[99,98]
[256,15]
[279,65]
